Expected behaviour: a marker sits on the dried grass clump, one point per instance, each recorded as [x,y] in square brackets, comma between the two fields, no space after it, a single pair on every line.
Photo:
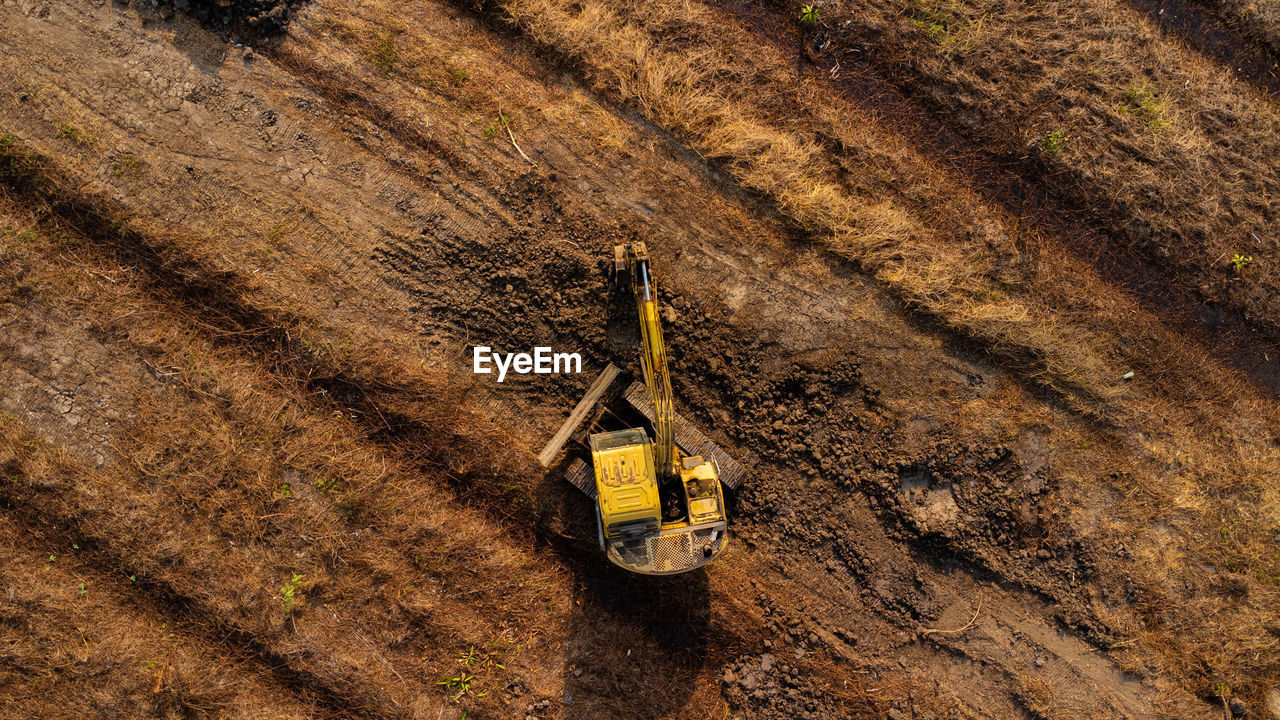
[75,644]
[1036,695]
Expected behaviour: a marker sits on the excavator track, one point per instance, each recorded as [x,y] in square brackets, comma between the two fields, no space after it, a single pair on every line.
[689,438]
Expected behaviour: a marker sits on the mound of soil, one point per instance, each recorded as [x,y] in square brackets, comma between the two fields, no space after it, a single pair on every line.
[763,687]
[262,18]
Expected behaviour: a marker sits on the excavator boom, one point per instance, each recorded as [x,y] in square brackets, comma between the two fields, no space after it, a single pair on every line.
[633,260]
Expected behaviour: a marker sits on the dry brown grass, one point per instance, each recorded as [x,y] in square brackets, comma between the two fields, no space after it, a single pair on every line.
[1257,19]
[400,510]
[957,277]
[1036,696]
[70,626]
[238,468]
[950,280]
[1164,148]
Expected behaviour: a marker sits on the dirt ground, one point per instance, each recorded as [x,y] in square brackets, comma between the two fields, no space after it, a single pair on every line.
[246,470]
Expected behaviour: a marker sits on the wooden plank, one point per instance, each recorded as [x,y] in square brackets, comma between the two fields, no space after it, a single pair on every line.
[579,413]
[689,438]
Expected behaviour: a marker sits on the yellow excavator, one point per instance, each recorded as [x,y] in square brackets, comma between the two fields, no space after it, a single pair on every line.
[660,506]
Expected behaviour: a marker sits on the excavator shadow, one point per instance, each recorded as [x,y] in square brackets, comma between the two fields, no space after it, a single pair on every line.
[635,644]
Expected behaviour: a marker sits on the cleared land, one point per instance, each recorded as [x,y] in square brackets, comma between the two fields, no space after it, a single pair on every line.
[909,254]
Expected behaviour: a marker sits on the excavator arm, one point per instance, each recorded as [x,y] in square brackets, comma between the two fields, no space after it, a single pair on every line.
[632,260]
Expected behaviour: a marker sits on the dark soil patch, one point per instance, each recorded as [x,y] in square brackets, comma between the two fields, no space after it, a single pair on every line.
[1250,56]
[253,18]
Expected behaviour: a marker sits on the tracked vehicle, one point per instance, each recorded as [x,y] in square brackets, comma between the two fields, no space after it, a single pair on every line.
[657,482]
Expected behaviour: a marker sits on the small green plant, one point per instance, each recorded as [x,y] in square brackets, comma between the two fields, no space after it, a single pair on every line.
[1141,102]
[71,132]
[499,122]
[946,26]
[327,485]
[83,591]
[290,592]
[7,140]
[18,245]
[460,682]
[937,31]
[471,658]
[467,682]
[127,164]
[467,658]
[809,14]
[275,244]
[1055,141]
[1227,528]
[1241,261]
[285,490]
[384,56]
[457,76]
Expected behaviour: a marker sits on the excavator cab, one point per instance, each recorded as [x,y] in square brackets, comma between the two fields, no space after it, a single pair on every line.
[658,483]
[626,485]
